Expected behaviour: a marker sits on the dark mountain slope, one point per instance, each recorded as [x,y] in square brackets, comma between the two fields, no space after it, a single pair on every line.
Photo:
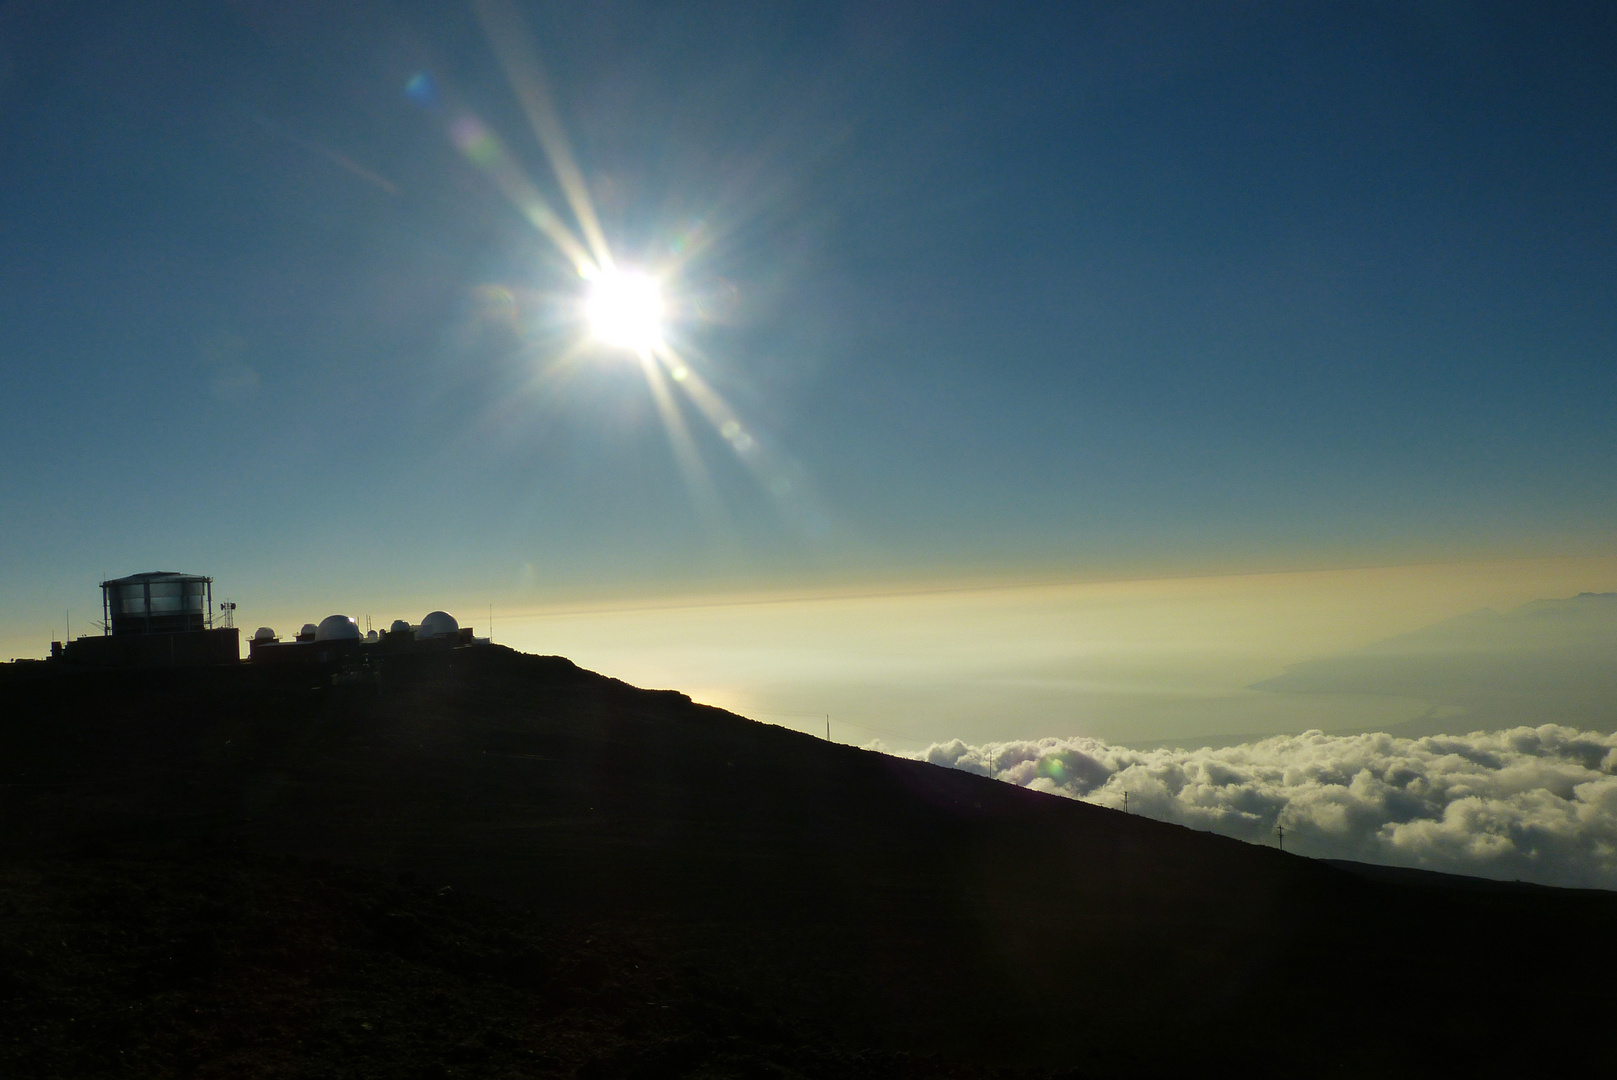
[876,905]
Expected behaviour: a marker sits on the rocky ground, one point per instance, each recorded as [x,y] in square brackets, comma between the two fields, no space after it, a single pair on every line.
[208,963]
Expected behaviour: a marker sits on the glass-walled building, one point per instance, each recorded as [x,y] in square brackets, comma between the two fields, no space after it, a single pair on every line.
[157,603]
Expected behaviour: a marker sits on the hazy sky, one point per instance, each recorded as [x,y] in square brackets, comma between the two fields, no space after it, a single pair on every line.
[1134,291]
[1166,659]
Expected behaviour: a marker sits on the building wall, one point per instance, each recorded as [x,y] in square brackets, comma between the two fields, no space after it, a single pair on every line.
[190,649]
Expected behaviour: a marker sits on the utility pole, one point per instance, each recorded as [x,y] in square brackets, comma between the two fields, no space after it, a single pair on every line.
[827,727]
[1125,802]
[1280,835]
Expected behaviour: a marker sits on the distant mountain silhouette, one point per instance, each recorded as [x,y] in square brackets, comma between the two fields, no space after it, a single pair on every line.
[250,873]
[1548,661]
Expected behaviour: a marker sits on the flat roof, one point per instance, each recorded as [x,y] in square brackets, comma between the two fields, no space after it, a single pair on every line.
[154,575]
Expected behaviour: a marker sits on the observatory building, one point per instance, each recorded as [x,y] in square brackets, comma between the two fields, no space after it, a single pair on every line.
[155,619]
[337,640]
[166,619]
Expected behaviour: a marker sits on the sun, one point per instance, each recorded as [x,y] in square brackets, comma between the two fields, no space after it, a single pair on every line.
[625,309]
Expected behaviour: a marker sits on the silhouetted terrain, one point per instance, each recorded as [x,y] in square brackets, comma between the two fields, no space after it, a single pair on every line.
[493,864]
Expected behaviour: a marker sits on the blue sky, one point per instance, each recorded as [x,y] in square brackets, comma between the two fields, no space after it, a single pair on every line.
[1101,290]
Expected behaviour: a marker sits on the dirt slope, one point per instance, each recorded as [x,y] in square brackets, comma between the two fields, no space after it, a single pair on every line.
[865,906]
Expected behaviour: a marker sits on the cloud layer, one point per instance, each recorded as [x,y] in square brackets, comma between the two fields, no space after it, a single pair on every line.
[1536,804]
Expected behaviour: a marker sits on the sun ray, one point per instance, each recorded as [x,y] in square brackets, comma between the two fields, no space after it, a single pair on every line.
[483,149]
[786,484]
[684,447]
[549,376]
[542,390]
[509,35]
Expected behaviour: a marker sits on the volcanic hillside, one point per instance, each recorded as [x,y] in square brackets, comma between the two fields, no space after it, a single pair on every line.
[492,864]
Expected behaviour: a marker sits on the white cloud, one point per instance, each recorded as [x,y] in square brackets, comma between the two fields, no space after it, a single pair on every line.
[1538,804]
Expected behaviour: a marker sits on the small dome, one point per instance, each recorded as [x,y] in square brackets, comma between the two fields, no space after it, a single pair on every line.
[370,635]
[438,624]
[308,631]
[399,627]
[337,628]
[263,633]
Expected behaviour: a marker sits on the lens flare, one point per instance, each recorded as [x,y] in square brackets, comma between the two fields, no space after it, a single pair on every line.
[625,309]
[622,308]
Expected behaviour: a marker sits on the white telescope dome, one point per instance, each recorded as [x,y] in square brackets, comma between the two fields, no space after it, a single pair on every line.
[263,633]
[308,630]
[337,628]
[399,627]
[438,624]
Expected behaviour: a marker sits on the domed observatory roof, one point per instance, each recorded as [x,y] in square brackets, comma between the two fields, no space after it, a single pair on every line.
[438,624]
[308,632]
[337,628]
[399,627]
[370,635]
[263,633]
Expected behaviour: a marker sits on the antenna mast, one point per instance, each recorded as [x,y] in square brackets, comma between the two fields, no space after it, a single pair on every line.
[1280,836]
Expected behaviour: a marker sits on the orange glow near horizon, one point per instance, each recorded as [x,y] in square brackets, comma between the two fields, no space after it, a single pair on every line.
[1135,659]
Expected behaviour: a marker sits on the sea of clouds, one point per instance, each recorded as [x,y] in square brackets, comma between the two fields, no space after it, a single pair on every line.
[1535,804]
